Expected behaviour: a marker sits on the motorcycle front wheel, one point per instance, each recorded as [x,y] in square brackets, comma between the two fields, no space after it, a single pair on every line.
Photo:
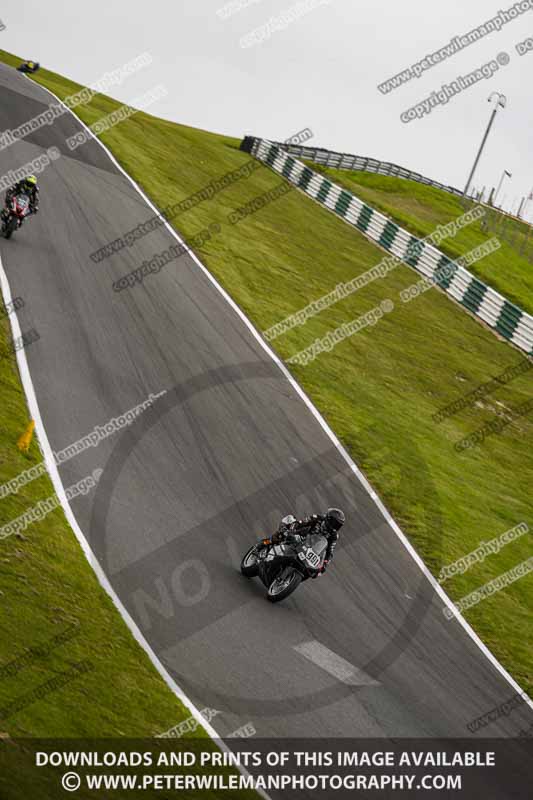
[282,587]
[249,563]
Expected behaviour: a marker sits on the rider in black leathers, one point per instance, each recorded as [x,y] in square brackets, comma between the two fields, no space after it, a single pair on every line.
[328,524]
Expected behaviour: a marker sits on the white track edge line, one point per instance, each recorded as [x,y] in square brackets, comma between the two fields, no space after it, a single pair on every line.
[46,449]
[389,518]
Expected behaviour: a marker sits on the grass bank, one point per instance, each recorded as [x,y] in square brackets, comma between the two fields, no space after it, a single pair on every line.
[420,209]
[380,388]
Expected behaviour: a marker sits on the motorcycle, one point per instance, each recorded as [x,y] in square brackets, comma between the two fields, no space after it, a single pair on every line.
[283,566]
[13,216]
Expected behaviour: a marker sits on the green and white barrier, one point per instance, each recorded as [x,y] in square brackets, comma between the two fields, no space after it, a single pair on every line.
[488,305]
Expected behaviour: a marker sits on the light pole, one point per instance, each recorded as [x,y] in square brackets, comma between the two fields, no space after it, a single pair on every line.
[504,173]
[500,103]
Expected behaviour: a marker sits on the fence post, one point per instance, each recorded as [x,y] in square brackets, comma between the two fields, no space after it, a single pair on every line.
[247,144]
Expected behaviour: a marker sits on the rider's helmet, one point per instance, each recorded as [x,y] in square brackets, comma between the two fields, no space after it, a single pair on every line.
[287,521]
[30,181]
[335,519]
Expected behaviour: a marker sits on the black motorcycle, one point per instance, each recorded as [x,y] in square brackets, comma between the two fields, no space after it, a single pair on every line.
[283,565]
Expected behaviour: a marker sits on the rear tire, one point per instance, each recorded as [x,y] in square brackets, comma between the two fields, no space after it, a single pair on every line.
[10,226]
[249,566]
[277,591]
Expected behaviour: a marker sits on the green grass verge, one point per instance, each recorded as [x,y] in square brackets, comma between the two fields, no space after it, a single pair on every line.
[378,389]
[420,209]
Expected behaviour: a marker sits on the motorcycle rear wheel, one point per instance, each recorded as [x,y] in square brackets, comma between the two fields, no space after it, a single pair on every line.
[9,227]
[280,588]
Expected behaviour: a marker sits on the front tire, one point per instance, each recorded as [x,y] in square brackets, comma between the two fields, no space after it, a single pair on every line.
[249,566]
[280,588]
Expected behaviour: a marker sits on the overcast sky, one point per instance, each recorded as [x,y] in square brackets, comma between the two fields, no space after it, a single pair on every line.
[321,71]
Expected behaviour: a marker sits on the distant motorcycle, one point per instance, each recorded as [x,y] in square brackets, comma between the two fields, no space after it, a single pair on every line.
[13,216]
[283,566]
[28,66]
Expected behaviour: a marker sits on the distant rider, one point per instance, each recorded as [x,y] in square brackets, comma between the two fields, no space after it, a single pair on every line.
[328,525]
[26,186]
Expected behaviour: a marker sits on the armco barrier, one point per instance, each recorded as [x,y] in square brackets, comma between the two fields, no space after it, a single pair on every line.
[498,313]
[335,160]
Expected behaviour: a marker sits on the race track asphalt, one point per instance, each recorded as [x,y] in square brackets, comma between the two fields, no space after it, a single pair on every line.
[213,464]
